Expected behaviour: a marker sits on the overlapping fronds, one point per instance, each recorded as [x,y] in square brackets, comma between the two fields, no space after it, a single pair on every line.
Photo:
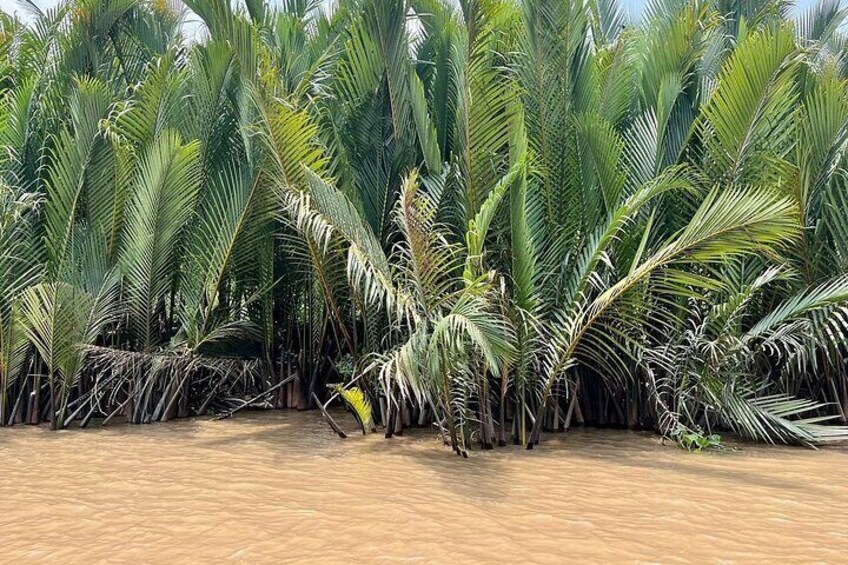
[505,218]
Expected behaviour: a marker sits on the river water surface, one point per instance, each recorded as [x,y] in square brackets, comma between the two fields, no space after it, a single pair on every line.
[280,487]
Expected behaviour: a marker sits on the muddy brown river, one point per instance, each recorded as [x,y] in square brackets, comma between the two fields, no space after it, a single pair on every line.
[280,487]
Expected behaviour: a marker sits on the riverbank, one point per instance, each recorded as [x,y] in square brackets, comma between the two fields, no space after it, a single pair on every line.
[280,487]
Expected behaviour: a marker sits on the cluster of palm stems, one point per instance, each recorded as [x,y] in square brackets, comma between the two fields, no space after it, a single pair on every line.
[497,217]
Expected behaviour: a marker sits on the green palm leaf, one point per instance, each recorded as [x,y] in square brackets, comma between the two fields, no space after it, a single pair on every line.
[163,200]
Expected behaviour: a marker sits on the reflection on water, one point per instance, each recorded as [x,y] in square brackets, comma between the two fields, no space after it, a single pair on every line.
[280,487]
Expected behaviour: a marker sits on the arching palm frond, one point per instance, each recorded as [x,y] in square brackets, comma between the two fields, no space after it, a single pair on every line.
[70,162]
[163,199]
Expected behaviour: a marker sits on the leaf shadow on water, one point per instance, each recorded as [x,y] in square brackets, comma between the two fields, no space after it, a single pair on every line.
[483,473]
[487,474]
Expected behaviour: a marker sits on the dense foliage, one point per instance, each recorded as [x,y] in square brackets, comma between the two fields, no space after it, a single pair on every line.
[501,217]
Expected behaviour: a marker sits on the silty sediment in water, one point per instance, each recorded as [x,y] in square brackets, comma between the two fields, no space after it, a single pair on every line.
[281,487]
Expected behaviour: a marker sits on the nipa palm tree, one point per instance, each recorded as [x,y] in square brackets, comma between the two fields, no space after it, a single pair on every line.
[504,217]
